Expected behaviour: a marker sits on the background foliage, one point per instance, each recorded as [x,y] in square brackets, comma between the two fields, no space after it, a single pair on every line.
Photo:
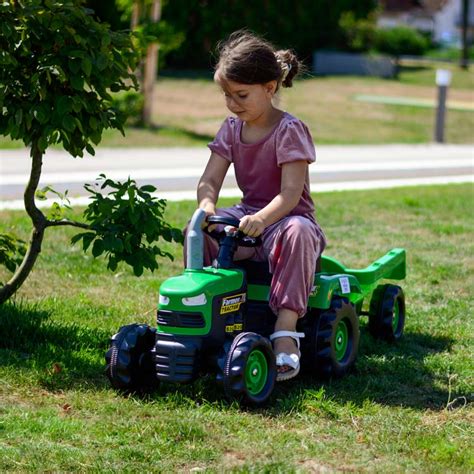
[304,26]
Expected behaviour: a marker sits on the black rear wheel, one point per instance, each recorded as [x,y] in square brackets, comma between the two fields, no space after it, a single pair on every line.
[249,369]
[387,313]
[129,359]
[332,340]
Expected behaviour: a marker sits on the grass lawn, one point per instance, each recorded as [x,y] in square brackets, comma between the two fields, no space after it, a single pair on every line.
[190,108]
[406,407]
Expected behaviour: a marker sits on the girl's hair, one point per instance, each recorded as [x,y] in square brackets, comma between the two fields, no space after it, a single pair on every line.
[249,59]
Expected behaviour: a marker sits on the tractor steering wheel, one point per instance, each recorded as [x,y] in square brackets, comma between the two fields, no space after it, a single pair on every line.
[241,239]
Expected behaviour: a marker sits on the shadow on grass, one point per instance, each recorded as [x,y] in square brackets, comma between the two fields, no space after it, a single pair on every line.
[67,355]
[393,374]
[387,374]
[57,355]
[412,68]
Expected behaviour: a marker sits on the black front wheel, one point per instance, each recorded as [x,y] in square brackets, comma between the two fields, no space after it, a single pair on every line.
[387,313]
[249,369]
[129,361]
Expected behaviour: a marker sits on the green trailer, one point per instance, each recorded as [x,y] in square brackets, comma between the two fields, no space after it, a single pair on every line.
[217,320]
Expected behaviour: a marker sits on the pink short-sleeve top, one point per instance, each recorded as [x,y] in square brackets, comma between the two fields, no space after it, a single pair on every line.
[258,166]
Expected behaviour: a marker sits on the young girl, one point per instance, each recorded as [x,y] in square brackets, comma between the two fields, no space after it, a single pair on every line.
[270,150]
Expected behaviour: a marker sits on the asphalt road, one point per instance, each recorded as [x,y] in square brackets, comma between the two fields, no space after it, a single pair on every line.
[175,171]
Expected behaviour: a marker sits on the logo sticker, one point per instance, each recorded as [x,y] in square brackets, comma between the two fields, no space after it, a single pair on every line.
[234,327]
[232,303]
[345,285]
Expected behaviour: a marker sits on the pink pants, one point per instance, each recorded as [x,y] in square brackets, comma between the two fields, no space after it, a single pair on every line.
[291,246]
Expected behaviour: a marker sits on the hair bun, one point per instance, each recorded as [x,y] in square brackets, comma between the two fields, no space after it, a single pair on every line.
[289,64]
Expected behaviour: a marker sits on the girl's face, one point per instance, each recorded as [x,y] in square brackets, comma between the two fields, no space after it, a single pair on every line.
[248,101]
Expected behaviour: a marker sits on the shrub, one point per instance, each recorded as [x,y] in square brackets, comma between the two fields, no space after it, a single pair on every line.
[400,40]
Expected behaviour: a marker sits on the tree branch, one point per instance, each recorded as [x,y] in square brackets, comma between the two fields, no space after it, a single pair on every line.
[60,222]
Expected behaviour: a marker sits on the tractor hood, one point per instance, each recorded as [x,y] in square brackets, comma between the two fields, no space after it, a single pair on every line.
[205,283]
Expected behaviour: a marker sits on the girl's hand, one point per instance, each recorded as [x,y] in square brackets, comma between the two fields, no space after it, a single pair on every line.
[210,210]
[252,225]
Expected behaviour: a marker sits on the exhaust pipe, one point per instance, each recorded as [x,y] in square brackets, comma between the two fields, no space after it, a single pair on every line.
[195,241]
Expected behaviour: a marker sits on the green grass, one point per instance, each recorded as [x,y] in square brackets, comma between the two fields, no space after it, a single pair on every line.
[406,408]
[424,74]
[449,53]
[189,110]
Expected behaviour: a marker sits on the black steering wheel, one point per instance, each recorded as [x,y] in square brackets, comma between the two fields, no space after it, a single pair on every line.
[241,239]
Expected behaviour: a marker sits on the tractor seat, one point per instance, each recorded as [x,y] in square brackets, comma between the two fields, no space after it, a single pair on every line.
[258,273]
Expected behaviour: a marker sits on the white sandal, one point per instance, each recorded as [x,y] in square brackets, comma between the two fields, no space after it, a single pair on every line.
[289,360]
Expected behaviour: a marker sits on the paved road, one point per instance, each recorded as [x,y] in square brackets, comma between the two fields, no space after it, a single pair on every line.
[175,171]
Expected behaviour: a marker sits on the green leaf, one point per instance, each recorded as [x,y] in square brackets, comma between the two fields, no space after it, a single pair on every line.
[87,240]
[77,53]
[138,269]
[77,82]
[68,123]
[77,104]
[74,65]
[96,137]
[40,194]
[112,265]
[90,149]
[102,62]
[86,66]
[98,248]
[40,113]
[18,116]
[93,123]
[148,188]
[64,105]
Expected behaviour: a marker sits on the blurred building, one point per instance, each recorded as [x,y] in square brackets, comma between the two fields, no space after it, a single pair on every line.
[439,18]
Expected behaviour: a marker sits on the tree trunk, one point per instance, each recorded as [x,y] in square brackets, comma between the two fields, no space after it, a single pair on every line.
[464,27]
[39,224]
[150,69]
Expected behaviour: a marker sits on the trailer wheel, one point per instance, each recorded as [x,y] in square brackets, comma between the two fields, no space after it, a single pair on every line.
[387,313]
[249,369]
[129,361]
[332,340]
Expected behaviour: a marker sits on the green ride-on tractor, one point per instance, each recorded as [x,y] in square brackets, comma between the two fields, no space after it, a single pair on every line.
[217,320]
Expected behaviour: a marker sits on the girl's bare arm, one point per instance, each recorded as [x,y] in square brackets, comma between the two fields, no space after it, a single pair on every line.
[293,177]
[211,182]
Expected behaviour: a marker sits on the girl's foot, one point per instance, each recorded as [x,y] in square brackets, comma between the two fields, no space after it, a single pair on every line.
[285,345]
[287,353]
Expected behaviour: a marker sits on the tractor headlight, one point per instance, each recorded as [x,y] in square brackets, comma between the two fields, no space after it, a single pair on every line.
[164,300]
[198,300]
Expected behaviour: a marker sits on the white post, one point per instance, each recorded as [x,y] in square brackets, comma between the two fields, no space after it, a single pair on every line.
[443,79]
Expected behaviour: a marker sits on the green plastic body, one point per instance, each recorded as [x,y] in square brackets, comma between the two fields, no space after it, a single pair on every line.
[199,287]
[196,290]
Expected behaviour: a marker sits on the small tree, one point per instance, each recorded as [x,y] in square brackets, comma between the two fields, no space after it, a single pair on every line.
[57,67]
